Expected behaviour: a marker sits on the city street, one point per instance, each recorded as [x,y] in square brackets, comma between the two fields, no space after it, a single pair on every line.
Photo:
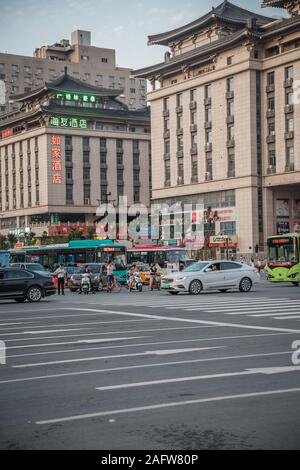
[152,371]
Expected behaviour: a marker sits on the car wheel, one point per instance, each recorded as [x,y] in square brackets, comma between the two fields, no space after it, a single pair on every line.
[296,284]
[195,288]
[20,300]
[245,285]
[140,288]
[34,294]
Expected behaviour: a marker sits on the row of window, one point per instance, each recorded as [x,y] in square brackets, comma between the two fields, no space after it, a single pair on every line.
[103,172]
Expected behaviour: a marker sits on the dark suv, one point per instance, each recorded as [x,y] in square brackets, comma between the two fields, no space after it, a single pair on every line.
[19,285]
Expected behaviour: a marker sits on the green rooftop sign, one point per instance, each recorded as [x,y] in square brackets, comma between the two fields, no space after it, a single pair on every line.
[76,97]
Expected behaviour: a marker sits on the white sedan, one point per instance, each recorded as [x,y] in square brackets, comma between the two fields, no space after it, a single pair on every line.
[213,275]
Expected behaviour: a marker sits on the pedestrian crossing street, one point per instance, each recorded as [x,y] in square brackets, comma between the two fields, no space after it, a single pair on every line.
[256,307]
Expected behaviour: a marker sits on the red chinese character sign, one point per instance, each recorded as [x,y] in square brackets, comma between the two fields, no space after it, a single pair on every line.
[56,157]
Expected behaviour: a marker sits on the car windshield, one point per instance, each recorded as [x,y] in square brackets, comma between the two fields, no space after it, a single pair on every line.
[283,249]
[194,268]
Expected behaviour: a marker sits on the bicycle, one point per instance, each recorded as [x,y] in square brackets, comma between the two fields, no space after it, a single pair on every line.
[114,286]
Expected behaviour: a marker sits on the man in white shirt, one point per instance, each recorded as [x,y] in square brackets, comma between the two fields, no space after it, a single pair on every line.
[61,275]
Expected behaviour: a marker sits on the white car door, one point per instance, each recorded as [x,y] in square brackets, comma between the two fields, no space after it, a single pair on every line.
[232,273]
[211,278]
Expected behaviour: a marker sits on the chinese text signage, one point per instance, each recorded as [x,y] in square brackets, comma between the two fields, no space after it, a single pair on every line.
[68,122]
[56,159]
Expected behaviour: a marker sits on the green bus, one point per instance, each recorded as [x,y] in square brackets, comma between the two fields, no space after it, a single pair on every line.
[74,253]
[284,258]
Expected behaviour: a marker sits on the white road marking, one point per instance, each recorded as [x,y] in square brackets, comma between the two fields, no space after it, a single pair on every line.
[235,310]
[106,333]
[106,340]
[144,366]
[267,371]
[203,322]
[228,305]
[70,324]
[295,317]
[168,405]
[42,332]
[141,344]
[258,315]
[100,358]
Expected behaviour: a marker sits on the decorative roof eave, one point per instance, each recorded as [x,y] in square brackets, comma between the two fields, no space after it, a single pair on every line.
[115,115]
[18,117]
[204,53]
[216,15]
[57,86]
[281,26]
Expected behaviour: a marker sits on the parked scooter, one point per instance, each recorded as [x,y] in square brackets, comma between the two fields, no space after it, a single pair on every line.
[135,283]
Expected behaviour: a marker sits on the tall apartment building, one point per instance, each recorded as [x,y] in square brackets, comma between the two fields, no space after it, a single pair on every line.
[226,121]
[70,147]
[93,65]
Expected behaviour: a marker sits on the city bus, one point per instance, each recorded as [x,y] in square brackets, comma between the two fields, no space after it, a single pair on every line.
[74,253]
[163,255]
[284,258]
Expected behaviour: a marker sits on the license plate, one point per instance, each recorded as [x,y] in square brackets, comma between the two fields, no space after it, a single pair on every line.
[165,286]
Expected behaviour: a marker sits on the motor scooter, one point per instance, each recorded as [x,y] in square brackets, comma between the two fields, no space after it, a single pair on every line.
[86,284]
[136,284]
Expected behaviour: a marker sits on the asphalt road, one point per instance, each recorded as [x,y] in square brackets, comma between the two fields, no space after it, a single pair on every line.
[152,371]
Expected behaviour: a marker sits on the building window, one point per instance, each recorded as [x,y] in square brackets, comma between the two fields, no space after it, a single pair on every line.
[180,144]
[231,162]
[69,194]
[230,107]
[208,90]
[167,147]
[193,118]
[271,78]
[230,60]
[193,95]
[86,194]
[166,103]
[104,60]
[132,90]
[289,72]
[180,100]
[289,123]
[230,84]
[228,228]
[290,155]
[208,114]
[272,156]
[84,57]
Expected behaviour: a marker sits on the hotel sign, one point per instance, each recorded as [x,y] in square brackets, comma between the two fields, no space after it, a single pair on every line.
[56,159]
[68,122]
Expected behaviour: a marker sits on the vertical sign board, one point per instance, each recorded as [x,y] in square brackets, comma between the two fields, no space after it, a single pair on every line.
[56,159]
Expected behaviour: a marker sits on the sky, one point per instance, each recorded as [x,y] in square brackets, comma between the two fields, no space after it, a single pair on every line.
[117,24]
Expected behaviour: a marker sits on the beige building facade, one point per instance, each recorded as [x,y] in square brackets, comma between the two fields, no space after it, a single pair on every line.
[70,147]
[225,114]
[94,65]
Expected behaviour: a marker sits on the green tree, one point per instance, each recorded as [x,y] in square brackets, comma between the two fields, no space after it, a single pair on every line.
[3,242]
[210,219]
[12,240]
[91,233]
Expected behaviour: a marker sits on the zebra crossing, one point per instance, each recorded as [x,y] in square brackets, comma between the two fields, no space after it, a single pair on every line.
[257,307]
[279,308]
